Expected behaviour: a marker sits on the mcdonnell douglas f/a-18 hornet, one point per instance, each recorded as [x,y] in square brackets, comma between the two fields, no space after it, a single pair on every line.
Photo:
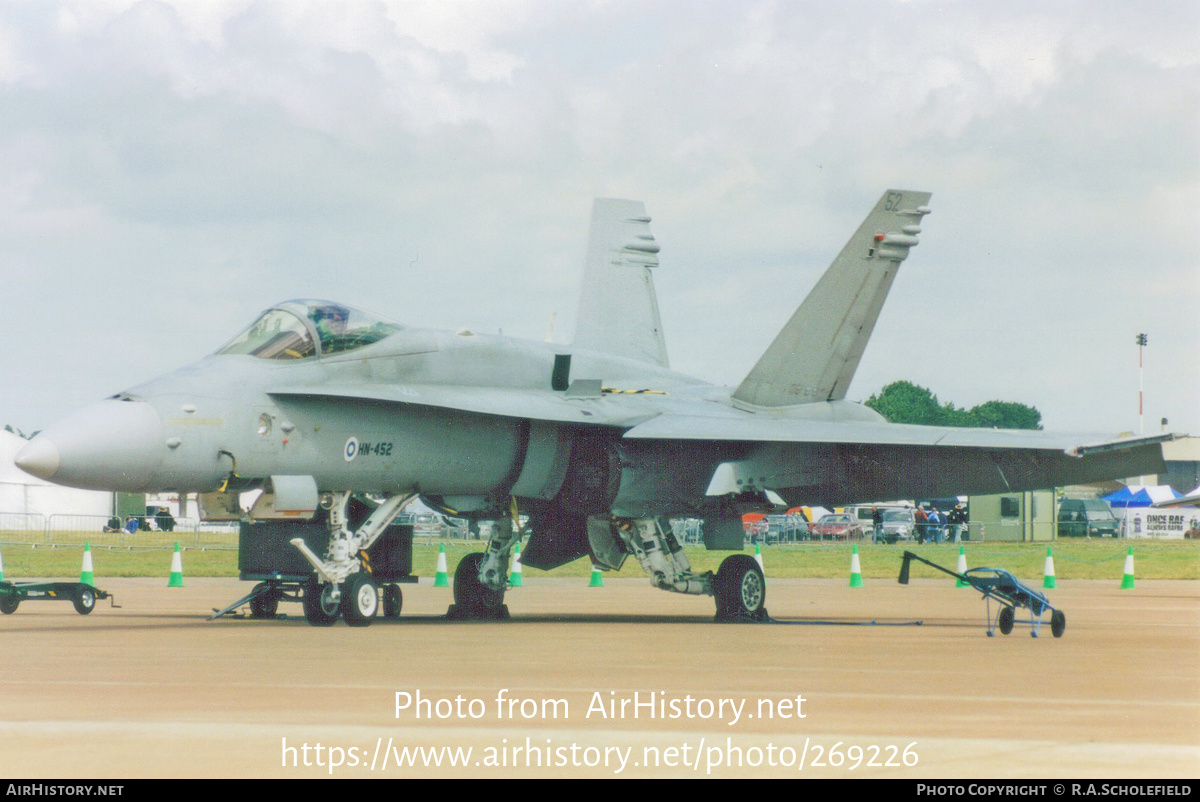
[327,408]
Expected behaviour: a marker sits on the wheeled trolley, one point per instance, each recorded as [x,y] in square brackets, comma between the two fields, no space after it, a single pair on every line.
[81,594]
[1011,594]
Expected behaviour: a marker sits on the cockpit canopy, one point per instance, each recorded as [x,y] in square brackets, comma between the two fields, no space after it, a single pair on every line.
[306,328]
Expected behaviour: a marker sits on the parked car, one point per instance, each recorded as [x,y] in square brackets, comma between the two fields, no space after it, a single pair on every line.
[1079,517]
[841,526]
[898,524]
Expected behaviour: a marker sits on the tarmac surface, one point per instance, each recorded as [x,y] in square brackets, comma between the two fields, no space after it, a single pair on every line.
[623,680]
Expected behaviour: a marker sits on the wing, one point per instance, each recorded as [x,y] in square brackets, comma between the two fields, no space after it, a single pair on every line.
[829,462]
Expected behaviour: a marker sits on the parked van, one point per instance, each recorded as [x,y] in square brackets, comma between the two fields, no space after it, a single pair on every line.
[1079,517]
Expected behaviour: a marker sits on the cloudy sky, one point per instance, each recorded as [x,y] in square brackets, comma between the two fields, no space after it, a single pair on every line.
[169,169]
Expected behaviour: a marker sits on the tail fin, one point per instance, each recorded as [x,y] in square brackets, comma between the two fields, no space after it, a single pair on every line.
[815,355]
[618,310]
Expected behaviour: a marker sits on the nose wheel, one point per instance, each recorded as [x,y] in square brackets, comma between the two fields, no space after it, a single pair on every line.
[360,600]
[322,603]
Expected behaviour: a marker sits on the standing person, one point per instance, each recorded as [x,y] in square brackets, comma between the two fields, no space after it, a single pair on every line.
[922,524]
[958,519]
[935,524]
[877,520]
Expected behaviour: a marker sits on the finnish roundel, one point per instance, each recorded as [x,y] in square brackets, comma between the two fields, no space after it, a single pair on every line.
[351,449]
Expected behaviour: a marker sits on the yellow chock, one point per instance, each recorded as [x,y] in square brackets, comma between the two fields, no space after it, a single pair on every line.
[176,580]
[442,578]
[514,576]
[1048,571]
[86,574]
[1127,579]
[597,578]
[855,570]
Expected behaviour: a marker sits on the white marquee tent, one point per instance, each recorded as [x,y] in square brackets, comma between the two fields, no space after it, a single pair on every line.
[26,500]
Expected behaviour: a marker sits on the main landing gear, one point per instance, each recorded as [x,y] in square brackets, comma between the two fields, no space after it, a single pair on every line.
[738,586]
[482,577]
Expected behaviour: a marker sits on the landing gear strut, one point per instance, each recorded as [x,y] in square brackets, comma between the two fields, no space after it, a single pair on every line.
[738,585]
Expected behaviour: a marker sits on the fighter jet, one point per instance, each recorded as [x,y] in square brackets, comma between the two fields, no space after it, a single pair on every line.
[594,444]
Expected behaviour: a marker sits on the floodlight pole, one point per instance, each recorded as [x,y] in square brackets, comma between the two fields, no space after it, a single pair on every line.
[1141,343]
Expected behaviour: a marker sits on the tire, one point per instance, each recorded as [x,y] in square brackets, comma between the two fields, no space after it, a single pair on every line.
[393,601]
[319,609]
[360,599]
[471,598]
[1058,623]
[264,605]
[740,589]
[1005,620]
[9,604]
[85,600]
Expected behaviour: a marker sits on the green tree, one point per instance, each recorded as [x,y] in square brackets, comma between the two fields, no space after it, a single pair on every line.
[1006,415]
[905,402]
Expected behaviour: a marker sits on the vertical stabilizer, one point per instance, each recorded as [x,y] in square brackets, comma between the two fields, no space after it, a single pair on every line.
[815,355]
[618,310]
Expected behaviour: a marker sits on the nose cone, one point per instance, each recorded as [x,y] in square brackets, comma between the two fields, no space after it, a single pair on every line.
[113,445]
[39,457]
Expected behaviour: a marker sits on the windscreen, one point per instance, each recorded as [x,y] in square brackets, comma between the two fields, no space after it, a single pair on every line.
[275,335]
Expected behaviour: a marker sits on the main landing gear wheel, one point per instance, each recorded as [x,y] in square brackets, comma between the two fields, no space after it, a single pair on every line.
[360,600]
[265,604]
[393,601]
[1005,620]
[320,608]
[1058,623]
[85,601]
[472,599]
[741,590]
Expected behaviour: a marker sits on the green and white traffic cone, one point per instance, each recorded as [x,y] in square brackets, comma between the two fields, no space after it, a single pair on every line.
[758,559]
[176,580]
[86,574]
[442,578]
[1048,571]
[514,575]
[597,578]
[1127,579]
[1,567]
[855,570]
[962,568]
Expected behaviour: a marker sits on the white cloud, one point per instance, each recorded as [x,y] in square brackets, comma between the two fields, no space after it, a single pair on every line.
[323,148]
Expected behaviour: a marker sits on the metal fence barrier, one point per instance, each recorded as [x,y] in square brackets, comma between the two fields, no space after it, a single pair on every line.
[75,530]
